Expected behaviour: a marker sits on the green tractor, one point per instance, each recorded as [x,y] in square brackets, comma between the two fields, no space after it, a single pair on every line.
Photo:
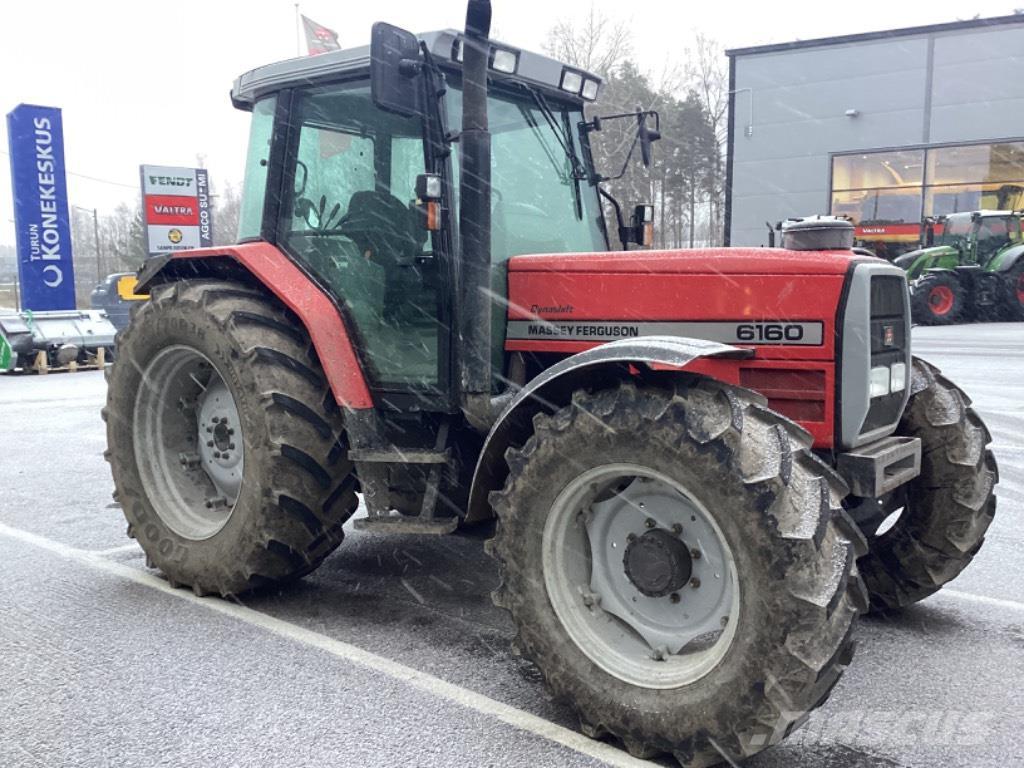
[971,268]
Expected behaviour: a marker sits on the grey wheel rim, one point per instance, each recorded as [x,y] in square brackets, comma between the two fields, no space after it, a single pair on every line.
[188,442]
[640,576]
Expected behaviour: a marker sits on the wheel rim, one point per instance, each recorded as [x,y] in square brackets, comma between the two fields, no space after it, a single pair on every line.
[188,442]
[615,578]
[940,299]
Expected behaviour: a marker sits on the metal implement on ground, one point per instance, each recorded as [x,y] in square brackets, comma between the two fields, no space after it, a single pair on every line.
[41,341]
[702,465]
[972,268]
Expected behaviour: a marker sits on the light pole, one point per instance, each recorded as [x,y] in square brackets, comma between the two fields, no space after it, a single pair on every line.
[96,238]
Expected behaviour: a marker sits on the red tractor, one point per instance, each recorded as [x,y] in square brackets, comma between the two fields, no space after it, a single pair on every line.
[703,464]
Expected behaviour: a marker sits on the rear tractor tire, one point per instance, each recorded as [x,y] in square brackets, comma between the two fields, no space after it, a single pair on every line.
[938,298]
[946,510]
[679,568]
[224,440]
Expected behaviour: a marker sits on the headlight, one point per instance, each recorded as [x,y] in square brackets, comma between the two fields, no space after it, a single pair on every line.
[898,379]
[880,378]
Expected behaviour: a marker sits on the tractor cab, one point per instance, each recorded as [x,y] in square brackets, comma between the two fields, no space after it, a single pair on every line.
[979,235]
[353,170]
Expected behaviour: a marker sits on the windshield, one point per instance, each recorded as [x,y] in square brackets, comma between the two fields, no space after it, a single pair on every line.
[538,204]
[955,231]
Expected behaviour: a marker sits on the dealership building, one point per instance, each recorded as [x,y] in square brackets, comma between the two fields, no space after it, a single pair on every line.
[886,128]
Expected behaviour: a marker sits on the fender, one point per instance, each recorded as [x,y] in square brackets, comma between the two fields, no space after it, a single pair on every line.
[554,387]
[281,277]
[1008,259]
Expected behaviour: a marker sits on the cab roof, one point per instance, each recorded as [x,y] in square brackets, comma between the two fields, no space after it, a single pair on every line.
[531,67]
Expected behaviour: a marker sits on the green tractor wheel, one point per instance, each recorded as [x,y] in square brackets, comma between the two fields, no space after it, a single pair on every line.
[938,298]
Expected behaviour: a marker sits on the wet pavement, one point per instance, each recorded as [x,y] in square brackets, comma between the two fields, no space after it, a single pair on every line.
[392,653]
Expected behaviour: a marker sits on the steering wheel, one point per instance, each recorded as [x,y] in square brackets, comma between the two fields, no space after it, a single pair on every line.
[306,209]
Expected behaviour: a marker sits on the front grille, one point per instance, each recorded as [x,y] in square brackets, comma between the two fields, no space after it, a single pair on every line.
[888,343]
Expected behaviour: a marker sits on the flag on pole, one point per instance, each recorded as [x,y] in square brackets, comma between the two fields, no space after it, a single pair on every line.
[319,38]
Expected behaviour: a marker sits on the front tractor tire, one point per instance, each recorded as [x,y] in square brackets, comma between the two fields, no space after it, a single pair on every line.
[225,443]
[679,568]
[938,298]
[942,515]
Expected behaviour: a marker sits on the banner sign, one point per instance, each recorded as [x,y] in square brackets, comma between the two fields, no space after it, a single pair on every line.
[43,231]
[176,208]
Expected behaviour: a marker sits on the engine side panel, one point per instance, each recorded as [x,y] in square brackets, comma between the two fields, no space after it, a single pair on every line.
[789,321]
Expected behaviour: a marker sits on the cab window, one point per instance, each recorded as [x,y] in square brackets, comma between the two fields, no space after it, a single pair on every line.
[351,220]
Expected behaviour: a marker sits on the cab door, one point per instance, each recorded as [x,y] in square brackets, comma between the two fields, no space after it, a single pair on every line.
[349,217]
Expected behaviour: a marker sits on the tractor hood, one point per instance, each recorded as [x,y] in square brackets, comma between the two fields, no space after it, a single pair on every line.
[786,299]
[706,261]
[914,263]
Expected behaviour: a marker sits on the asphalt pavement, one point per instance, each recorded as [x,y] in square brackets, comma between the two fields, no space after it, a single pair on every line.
[392,653]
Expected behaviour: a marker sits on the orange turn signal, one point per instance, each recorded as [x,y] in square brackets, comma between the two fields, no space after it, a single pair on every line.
[432,215]
[648,234]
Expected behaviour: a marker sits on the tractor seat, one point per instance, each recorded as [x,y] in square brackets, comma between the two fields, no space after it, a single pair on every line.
[381,224]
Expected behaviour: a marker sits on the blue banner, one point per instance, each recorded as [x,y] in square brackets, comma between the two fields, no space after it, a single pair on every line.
[45,271]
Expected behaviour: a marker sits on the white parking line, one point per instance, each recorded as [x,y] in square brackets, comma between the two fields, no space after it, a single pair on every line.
[435,686]
[993,602]
[133,547]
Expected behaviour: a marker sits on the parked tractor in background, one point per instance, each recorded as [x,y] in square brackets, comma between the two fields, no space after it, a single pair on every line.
[971,268]
[700,466]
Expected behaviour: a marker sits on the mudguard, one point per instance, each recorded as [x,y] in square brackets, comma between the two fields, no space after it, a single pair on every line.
[553,389]
[273,270]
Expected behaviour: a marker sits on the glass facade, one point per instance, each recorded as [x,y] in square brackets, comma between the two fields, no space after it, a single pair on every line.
[888,193]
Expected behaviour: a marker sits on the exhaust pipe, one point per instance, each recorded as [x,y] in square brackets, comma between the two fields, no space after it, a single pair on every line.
[474,320]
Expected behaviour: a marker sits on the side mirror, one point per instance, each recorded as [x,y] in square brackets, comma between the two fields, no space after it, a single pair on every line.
[647,135]
[395,69]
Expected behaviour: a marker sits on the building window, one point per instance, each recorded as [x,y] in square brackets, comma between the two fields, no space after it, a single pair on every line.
[886,194]
[878,170]
[881,193]
[973,177]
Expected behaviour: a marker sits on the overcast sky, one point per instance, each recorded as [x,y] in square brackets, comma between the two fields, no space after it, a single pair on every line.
[147,82]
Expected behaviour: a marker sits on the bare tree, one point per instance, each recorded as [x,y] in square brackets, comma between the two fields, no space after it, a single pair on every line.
[707,75]
[226,211]
[597,43]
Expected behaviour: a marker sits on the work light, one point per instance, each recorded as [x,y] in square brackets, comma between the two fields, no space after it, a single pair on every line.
[572,81]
